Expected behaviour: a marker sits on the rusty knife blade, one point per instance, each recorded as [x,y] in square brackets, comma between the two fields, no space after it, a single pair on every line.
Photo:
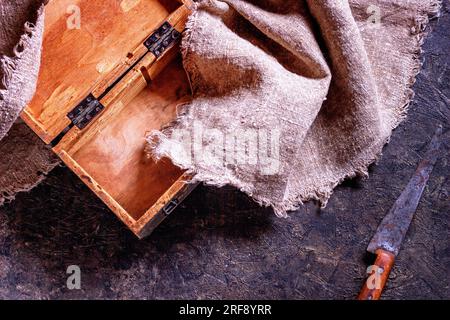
[393,228]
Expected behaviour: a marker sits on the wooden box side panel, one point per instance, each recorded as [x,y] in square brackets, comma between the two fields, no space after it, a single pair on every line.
[152,218]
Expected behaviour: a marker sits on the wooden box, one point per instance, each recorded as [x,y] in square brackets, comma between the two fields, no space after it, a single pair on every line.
[110,74]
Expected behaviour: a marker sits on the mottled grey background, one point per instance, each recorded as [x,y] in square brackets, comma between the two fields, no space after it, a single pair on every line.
[221,245]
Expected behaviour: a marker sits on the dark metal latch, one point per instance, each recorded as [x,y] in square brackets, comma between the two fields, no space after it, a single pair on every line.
[172,205]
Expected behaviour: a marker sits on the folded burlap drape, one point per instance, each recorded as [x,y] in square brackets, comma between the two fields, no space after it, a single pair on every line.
[319,85]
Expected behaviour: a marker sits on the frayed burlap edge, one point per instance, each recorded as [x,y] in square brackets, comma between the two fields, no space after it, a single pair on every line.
[16,89]
[419,31]
[359,167]
[38,161]
[20,72]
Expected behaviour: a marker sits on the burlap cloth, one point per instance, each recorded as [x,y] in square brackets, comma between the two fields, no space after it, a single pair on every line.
[24,159]
[319,85]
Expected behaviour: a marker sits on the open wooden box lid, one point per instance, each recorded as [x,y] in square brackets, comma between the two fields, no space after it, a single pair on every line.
[105,49]
[88,46]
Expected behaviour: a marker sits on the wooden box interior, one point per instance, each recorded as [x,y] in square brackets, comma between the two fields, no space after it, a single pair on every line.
[115,157]
[108,155]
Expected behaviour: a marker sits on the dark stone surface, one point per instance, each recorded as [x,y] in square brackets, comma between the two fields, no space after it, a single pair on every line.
[221,245]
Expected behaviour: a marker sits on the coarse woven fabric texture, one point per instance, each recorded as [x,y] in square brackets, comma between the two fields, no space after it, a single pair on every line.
[292,97]
[319,85]
[24,159]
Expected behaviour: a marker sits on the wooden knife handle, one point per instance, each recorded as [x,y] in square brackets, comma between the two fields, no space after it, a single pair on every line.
[378,275]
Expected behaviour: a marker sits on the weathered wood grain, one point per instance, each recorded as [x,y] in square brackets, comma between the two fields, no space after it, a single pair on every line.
[221,245]
[106,57]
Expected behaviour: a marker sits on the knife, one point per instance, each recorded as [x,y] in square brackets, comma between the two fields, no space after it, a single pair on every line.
[390,233]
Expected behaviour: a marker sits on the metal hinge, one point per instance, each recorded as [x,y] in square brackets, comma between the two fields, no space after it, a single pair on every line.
[162,39]
[85,111]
